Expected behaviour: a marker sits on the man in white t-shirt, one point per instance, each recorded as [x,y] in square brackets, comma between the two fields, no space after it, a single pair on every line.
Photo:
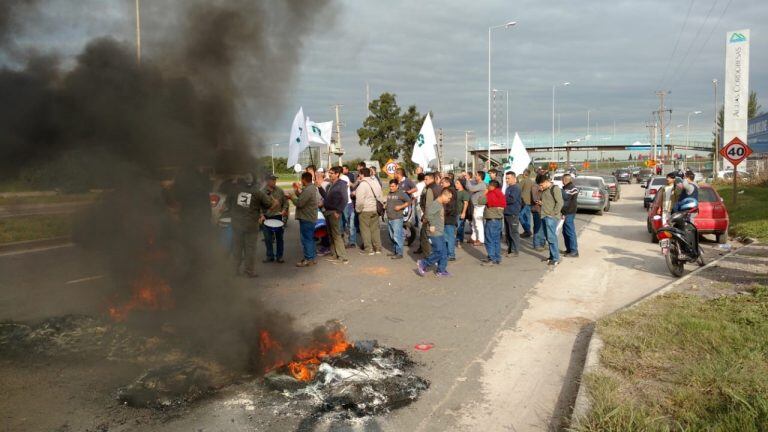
[420,185]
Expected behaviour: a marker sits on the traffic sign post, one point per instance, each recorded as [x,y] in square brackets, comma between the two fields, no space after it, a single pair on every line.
[736,151]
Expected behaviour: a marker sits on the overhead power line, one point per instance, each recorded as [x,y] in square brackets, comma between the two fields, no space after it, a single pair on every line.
[706,41]
[677,43]
[695,38]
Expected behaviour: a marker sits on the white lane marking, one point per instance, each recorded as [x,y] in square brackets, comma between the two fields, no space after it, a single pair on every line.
[43,249]
[85,279]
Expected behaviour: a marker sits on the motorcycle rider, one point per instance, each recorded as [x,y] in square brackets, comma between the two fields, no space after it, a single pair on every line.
[668,197]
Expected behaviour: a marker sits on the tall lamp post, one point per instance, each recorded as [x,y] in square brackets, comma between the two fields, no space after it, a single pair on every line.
[565,84]
[688,127]
[505,26]
[717,133]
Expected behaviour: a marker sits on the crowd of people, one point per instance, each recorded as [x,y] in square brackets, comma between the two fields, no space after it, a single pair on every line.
[340,210]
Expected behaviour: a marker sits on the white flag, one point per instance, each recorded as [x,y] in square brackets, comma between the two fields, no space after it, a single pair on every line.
[518,159]
[298,141]
[319,133]
[424,148]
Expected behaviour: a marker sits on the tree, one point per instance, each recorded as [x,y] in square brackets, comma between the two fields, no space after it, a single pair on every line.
[752,111]
[381,131]
[389,134]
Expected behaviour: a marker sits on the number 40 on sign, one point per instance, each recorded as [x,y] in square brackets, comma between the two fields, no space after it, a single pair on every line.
[735,151]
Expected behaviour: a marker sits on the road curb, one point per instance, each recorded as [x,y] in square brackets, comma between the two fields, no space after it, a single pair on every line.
[582,404]
[34,244]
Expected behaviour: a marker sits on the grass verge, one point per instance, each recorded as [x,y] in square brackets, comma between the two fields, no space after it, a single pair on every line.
[49,199]
[749,217]
[683,363]
[34,227]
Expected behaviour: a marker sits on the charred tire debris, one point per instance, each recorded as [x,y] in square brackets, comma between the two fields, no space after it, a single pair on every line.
[366,379]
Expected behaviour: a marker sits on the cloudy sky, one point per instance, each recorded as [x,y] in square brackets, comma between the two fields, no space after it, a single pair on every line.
[434,54]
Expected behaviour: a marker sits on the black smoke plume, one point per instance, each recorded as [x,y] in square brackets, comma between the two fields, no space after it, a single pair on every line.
[111,122]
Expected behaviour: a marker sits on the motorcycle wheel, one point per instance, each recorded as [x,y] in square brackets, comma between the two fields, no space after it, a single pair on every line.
[411,235]
[700,260]
[675,266]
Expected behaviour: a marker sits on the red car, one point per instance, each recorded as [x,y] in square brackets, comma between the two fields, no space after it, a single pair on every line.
[711,219]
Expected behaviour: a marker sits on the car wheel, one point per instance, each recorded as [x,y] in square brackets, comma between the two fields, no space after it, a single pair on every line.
[599,212]
[722,237]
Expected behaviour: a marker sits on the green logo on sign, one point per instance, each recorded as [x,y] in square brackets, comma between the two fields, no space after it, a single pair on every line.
[738,37]
[420,140]
[317,130]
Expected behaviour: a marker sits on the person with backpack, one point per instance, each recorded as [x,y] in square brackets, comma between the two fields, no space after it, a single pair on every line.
[551,202]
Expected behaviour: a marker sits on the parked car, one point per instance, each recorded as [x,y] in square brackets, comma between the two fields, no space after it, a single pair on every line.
[652,186]
[712,217]
[614,188]
[558,178]
[623,175]
[593,194]
[644,174]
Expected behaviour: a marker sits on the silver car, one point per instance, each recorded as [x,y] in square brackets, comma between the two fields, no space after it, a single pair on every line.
[593,194]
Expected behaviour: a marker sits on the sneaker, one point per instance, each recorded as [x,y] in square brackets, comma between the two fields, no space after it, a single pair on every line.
[553,263]
[513,254]
[421,268]
[396,257]
[280,261]
[267,260]
[572,254]
[364,252]
[443,274]
[451,258]
[303,263]
[488,263]
[377,252]
[391,254]
[332,260]
[344,261]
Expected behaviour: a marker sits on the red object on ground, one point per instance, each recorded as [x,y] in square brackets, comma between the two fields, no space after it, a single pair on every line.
[424,346]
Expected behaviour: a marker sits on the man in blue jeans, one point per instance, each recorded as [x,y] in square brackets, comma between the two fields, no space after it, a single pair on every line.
[305,200]
[435,220]
[451,218]
[397,201]
[551,202]
[538,232]
[526,184]
[570,204]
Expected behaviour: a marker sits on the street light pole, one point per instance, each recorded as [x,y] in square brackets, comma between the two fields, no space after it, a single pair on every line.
[565,84]
[688,128]
[717,135]
[138,33]
[506,26]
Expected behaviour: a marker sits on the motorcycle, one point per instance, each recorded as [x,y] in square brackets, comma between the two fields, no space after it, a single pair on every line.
[409,225]
[679,241]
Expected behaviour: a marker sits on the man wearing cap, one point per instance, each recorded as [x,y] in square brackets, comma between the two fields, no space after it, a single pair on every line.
[273,236]
[246,202]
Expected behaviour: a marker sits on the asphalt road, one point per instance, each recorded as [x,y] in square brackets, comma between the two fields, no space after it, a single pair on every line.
[376,298]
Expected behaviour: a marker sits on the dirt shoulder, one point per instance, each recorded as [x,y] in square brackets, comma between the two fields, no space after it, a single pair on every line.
[693,358]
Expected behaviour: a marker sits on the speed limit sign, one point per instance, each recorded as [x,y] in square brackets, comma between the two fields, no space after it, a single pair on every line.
[735,151]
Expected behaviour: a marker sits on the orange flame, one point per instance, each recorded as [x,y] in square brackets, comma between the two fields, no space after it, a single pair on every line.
[149,292]
[306,360]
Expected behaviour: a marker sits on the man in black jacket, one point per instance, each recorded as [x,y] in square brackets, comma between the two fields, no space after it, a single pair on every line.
[335,202]
[451,218]
[570,203]
[431,191]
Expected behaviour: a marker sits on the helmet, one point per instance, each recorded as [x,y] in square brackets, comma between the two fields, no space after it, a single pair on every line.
[689,203]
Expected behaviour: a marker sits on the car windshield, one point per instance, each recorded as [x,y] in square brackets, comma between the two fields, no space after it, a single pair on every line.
[609,179]
[645,172]
[587,182]
[659,181]
[707,195]
[622,171]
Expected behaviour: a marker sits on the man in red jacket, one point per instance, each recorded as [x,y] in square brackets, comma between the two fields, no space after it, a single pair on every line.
[493,214]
